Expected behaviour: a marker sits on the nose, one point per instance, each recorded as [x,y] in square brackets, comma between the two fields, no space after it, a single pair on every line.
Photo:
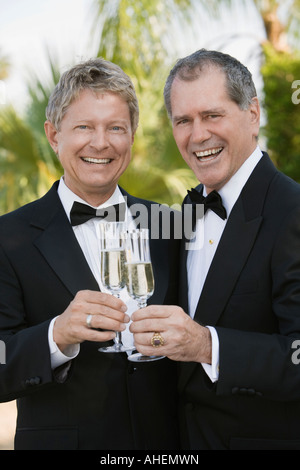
[99,139]
[199,132]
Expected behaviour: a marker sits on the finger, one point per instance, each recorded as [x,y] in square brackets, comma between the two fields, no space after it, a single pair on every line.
[99,336]
[110,300]
[144,345]
[106,311]
[153,311]
[99,329]
[103,322]
[145,340]
[67,331]
[149,325]
[100,298]
[98,303]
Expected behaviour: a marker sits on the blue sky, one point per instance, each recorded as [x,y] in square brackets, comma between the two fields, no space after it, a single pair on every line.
[27,27]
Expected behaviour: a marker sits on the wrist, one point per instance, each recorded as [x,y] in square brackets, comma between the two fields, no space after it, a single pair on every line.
[205,350]
[56,337]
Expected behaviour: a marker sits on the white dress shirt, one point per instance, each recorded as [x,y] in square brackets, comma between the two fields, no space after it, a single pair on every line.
[209,229]
[87,239]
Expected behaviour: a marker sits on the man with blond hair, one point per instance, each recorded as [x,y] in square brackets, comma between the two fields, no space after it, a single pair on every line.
[54,314]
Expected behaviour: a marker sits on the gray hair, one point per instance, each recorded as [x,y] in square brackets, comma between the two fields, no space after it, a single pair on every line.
[98,75]
[239,83]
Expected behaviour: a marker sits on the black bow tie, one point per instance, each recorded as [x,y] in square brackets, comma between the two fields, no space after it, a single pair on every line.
[213,201]
[81,213]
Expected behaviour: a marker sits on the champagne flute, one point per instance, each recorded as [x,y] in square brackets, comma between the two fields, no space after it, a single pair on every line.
[139,278]
[112,269]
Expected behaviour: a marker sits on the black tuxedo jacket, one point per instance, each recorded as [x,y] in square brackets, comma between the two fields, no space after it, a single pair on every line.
[252,297]
[104,402]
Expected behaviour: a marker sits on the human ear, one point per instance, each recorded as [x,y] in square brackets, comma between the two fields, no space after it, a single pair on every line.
[132,138]
[255,110]
[255,115]
[51,134]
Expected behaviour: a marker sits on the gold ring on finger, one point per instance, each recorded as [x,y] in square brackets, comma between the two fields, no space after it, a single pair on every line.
[157,340]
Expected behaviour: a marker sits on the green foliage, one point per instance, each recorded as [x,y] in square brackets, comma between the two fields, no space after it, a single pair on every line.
[282,131]
[24,175]
[27,163]
[131,35]
[141,37]
[135,36]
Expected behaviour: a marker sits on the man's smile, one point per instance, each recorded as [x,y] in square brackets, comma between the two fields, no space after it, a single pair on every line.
[208,155]
[97,161]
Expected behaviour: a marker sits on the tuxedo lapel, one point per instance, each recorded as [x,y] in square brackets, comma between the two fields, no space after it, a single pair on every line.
[239,235]
[59,246]
[140,209]
[233,250]
[235,244]
[183,280]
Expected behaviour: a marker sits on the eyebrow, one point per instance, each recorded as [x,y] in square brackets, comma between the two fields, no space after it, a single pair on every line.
[213,111]
[88,120]
[179,118]
[203,113]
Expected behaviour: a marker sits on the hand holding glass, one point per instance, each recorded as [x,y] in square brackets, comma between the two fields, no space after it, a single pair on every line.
[139,279]
[112,268]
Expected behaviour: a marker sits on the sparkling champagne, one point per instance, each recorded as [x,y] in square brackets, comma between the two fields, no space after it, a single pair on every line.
[113,269]
[140,282]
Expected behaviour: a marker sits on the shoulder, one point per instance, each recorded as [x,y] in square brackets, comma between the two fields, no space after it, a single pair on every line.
[281,204]
[18,215]
[277,178]
[29,212]
[284,192]
[268,190]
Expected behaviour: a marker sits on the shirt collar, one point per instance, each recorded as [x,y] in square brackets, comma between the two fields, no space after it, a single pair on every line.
[67,197]
[232,189]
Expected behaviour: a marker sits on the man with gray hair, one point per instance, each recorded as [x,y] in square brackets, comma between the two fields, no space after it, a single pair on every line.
[236,331]
[54,311]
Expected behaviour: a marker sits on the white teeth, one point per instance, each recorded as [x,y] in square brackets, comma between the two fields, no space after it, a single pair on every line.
[96,160]
[208,153]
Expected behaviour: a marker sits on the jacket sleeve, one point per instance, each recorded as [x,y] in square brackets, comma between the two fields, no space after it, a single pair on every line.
[27,356]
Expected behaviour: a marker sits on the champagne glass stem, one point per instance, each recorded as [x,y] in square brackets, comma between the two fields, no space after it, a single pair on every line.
[118,338]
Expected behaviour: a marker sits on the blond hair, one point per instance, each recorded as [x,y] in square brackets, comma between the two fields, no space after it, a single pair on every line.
[98,75]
